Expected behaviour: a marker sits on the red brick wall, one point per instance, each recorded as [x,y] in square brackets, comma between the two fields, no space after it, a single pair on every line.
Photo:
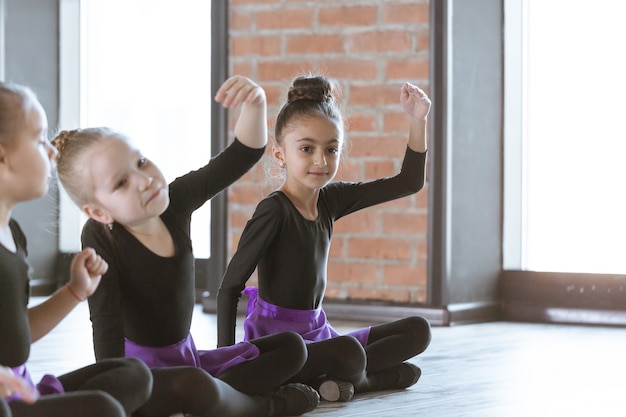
[371,47]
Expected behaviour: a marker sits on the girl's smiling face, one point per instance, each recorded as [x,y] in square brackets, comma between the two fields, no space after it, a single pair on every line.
[310,150]
[127,187]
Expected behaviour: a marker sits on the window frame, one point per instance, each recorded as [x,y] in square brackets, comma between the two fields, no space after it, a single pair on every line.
[208,271]
[532,296]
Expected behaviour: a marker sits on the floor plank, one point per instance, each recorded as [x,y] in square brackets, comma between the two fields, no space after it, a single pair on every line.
[496,369]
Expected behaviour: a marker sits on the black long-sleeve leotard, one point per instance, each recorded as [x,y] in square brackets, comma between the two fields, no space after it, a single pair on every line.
[15,337]
[291,252]
[144,297]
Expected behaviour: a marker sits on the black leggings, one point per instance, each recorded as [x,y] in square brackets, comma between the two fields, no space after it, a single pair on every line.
[4,409]
[343,357]
[240,391]
[112,387]
[191,390]
[282,356]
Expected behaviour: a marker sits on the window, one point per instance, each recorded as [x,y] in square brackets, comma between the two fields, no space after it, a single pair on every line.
[564,133]
[2,12]
[143,68]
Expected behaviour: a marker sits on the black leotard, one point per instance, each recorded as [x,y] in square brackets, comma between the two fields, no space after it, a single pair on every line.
[14,292]
[144,297]
[291,252]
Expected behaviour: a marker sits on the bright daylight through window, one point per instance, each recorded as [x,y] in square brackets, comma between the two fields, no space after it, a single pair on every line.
[145,71]
[574,205]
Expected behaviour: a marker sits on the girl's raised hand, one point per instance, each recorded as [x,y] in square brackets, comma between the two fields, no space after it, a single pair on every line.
[11,383]
[238,90]
[86,272]
[414,101]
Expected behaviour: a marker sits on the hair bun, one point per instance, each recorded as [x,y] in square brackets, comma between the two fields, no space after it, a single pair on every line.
[60,141]
[315,88]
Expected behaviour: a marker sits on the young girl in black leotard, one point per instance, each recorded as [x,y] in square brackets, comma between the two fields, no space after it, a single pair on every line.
[288,239]
[112,388]
[143,308]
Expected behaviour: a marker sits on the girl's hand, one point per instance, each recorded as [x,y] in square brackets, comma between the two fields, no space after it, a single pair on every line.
[240,90]
[86,271]
[414,101]
[11,383]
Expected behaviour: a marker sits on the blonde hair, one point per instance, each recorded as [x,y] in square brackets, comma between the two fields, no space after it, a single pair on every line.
[72,145]
[15,100]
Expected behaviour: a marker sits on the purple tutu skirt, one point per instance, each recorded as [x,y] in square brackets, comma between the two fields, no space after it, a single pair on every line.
[263,318]
[49,384]
[184,353]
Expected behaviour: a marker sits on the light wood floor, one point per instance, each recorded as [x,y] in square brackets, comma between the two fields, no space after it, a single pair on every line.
[484,370]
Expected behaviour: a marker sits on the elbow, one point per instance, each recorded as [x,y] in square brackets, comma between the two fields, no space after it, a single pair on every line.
[415,186]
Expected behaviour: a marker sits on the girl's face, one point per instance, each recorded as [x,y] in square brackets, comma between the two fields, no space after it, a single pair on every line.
[127,187]
[310,151]
[29,159]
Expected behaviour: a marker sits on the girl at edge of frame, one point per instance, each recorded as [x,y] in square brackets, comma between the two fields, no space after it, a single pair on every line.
[288,239]
[141,226]
[111,388]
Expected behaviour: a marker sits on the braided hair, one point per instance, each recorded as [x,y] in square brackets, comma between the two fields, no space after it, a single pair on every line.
[71,146]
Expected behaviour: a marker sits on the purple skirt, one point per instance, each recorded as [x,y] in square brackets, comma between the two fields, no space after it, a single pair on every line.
[263,318]
[184,353]
[49,384]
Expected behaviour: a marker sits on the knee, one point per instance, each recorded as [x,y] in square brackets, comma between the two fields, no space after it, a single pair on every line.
[349,352]
[103,404]
[197,390]
[139,377]
[293,347]
[420,329]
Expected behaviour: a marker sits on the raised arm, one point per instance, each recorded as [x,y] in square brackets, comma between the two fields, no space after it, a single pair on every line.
[251,126]
[416,104]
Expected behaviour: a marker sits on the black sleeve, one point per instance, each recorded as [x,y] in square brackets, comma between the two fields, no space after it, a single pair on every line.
[199,186]
[105,306]
[256,237]
[350,197]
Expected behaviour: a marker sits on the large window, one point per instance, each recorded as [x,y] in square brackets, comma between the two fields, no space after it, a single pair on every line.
[142,67]
[565,90]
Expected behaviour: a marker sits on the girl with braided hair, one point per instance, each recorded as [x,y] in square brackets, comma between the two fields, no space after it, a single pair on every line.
[143,308]
[111,388]
[288,239]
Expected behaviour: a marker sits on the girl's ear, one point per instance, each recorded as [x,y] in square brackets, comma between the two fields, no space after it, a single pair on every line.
[279,157]
[98,214]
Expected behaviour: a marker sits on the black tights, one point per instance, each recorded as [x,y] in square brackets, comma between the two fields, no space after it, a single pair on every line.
[343,357]
[194,391]
[4,409]
[392,343]
[112,387]
[282,356]
[240,391]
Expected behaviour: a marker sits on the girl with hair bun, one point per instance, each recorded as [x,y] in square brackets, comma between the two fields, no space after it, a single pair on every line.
[289,235]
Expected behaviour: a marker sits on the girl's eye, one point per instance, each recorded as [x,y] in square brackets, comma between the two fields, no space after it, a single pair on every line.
[120,184]
[142,161]
[333,150]
[306,149]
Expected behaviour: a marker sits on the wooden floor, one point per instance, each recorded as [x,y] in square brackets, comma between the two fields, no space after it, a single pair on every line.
[484,370]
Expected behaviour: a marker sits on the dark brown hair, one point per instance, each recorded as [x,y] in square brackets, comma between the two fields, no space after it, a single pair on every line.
[308,96]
